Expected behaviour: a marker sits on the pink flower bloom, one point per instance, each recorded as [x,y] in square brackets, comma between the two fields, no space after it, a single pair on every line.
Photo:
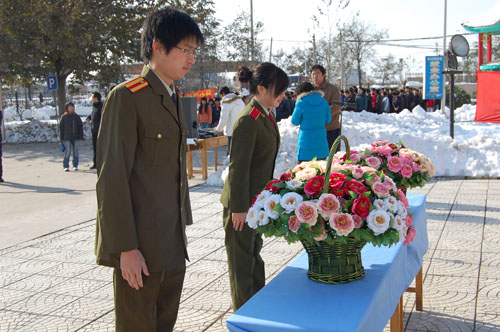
[307,213]
[406,171]
[409,221]
[342,223]
[373,162]
[380,142]
[389,183]
[357,221]
[327,205]
[394,164]
[375,177]
[385,150]
[321,236]
[354,157]
[357,173]
[380,190]
[294,224]
[406,159]
[410,236]
[415,167]
[402,198]
[373,149]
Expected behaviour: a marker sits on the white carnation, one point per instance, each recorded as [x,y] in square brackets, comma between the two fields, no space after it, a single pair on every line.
[378,221]
[293,184]
[402,211]
[269,205]
[263,218]
[252,218]
[259,202]
[290,201]
[392,203]
[398,223]
[380,204]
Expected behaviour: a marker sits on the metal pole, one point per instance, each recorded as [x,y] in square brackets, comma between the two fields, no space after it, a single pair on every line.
[251,32]
[443,101]
[452,105]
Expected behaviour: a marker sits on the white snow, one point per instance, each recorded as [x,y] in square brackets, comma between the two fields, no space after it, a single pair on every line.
[475,150]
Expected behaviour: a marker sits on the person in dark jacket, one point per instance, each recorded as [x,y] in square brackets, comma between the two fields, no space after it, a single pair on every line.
[397,99]
[71,131]
[361,100]
[1,168]
[95,119]
[284,110]
[216,109]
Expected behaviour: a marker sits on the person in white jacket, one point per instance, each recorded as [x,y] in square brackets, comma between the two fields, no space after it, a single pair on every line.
[231,105]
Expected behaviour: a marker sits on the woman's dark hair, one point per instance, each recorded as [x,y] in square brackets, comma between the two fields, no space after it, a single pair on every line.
[265,74]
[169,26]
[202,109]
[224,90]
[304,87]
[210,101]
[68,105]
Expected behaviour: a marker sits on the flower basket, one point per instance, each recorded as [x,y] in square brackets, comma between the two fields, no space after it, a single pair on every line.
[336,263]
[333,208]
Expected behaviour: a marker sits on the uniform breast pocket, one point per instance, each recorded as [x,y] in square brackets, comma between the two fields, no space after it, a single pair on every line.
[155,146]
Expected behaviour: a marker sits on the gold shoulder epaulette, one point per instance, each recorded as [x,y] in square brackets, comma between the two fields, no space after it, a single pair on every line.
[136,84]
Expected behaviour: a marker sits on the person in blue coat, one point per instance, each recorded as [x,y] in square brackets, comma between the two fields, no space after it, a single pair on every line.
[311,113]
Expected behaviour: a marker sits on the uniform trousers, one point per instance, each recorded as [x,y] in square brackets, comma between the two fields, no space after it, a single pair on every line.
[152,308]
[246,267]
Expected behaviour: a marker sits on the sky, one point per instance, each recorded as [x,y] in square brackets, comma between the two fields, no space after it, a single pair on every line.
[290,24]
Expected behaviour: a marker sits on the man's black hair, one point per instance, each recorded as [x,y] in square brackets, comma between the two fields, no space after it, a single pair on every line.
[320,68]
[224,90]
[169,26]
[97,95]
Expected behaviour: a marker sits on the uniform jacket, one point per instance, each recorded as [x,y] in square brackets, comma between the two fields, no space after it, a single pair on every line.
[332,93]
[312,113]
[142,189]
[254,147]
[232,105]
[70,127]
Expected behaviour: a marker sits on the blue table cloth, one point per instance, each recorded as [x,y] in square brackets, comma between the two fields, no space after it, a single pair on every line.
[293,302]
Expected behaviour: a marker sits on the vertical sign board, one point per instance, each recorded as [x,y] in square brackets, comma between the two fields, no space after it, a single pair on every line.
[433,78]
[52,82]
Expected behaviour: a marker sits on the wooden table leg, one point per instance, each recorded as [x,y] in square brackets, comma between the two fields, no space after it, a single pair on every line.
[418,291]
[216,151]
[204,168]
[397,317]
[190,164]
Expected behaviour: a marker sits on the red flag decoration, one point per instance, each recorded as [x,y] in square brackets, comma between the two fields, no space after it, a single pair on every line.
[488,97]
[208,93]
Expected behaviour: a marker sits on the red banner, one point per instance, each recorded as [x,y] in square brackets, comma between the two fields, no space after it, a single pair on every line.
[488,97]
[207,93]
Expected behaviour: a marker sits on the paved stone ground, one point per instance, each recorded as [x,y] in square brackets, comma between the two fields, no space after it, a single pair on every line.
[51,283]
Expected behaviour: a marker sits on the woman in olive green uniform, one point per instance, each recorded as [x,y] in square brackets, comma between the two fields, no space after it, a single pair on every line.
[254,147]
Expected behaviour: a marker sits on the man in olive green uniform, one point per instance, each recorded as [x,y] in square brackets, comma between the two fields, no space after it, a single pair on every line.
[332,95]
[142,189]
[253,153]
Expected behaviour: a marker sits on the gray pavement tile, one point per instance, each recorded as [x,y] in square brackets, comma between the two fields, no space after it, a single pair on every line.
[217,255]
[85,308]
[98,272]
[487,322]
[220,284]
[105,323]
[67,270]
[54,324]
[457,239]
[61,254]
[490,266]
[447,294]
[24,253]
[77,287]
[35,283]
[202,273]
[8,278]
[220,324]
[208,300]
[196,319]
[42,303]
[10,296]
[454,263]
[14,320]
[104,293]
[488,297]
[30,266]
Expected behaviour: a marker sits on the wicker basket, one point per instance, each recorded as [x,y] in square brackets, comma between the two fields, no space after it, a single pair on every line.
[335,264]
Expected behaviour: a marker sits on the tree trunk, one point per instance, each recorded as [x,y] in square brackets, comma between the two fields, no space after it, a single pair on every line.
[61,93]
[359,72]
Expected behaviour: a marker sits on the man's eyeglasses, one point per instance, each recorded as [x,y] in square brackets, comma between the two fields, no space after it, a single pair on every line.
[186,51]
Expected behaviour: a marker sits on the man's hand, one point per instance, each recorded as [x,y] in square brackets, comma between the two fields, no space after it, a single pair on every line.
[132,264]
[238,220]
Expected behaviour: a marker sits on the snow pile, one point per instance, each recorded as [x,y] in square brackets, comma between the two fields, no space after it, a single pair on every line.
[475,150]
[36,131]
[45,112]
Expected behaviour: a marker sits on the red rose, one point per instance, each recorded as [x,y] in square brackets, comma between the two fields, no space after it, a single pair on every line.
[272,188]
[355,186]
[337,178]
[314,186]
[286,176]
[337,189]
[361,206]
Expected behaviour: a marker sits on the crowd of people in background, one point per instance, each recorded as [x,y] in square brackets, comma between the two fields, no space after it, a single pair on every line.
[386,100]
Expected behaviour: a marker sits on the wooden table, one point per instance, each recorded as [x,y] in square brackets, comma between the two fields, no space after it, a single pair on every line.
[203,145]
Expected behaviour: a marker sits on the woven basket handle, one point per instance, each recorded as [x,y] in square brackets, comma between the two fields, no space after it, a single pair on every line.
[333,150]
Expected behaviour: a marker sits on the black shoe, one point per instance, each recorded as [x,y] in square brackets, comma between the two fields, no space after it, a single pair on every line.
[1,180]
[92,167]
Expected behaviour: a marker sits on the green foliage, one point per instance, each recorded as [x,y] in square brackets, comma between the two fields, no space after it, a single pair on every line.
[461,97]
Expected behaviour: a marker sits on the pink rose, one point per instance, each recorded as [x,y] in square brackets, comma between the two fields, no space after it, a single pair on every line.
[321,236]
[389,183]
[385,150]
[307,213]
[373,149]
[375,177]
[327,205]
[406,171]
[380,142]
[406,159]
[357,221]
[415,167]
[409,221]
[402,198]
[342,223]
[357,173]
[294,224]
[354,156]
[410,236]
[394,164]
[380,190]
[374,162]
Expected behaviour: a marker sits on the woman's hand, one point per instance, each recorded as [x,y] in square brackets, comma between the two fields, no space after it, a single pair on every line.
[238,220]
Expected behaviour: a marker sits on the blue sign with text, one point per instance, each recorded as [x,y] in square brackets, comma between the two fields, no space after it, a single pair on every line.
[52,82]
[433,78]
